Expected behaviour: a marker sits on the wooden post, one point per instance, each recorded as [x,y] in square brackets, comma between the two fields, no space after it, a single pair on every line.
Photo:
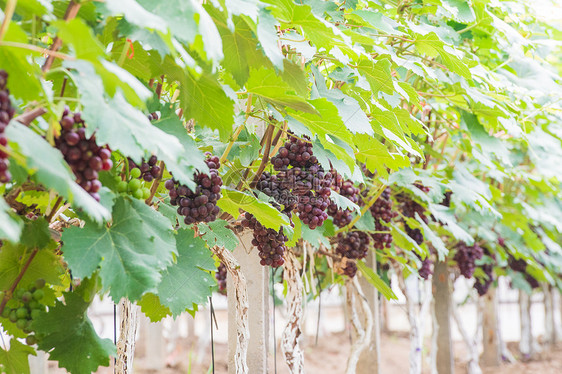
[443,346]
[257,277]
[127,336]
[369,359]
[526,343]
[491,355]
[549,323]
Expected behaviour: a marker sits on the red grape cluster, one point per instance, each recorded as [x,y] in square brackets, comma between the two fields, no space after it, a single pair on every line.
[149,170]
[382,213]
[199,205]
[409,209]
[277,188]
[85,157]
[425,270]
[6,114]
[300,173]
[295,152]
[447,199]
[482,285]
[220,276]
[353,244]
[466,257]
[520,265]
[350,268]
[270,243]
[342,217]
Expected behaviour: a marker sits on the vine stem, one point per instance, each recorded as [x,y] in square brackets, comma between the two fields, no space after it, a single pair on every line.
[155,184]
[237,132]
[71,12]
[54,209]
[10,292]
[8,13]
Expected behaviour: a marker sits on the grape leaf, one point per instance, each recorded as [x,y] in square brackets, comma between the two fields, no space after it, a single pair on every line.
[344,203]
[44,265]
[152,307]
[35,233]
[70,337]
[266,84]
[130,252]
[122,127]
[16,359]
[268,38]
[204,100]
[376,281]
[377,74]
[51,170]
[11,227]
[186,282]
[217,233]
[267,215]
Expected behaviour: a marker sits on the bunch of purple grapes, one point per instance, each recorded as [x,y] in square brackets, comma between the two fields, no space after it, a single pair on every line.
[295,152]
[447,199]
[353,244]
[270,243]
[199,205]
[85,157]
[6,114]
[277,188]
[149,170]
[220,276]
[382,213]
[409,209]
[466,257]
[520,265]
[342,217]
[482,285]
[299,171]
[425,270]
[350,268]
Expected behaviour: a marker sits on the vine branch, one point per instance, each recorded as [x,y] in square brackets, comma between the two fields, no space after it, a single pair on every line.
[8,294]
[71,13]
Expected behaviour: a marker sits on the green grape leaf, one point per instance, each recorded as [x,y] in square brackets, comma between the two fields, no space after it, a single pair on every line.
[76,33]
[36,234]
[51,170]
[267,35]
[366,222]
[186,282]
[376,281]
[267,215]
[44,265]
[70,337]
[16,359]
[204,100]
[152,307]
[23,79]
[131,252]
[429,235]
[217,233]
[122,127]
[265,83]
[377,74]
[344,203]
[326,122]
[11,226]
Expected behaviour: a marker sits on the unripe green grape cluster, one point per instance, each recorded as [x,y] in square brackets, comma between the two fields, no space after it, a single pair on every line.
[133,186]
[26,309]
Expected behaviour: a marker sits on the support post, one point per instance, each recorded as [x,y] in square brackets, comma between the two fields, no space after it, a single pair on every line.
[491,356]
[526,343]
[443,346]
[127,336]
[257,284]
[370,358]
[549,323]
